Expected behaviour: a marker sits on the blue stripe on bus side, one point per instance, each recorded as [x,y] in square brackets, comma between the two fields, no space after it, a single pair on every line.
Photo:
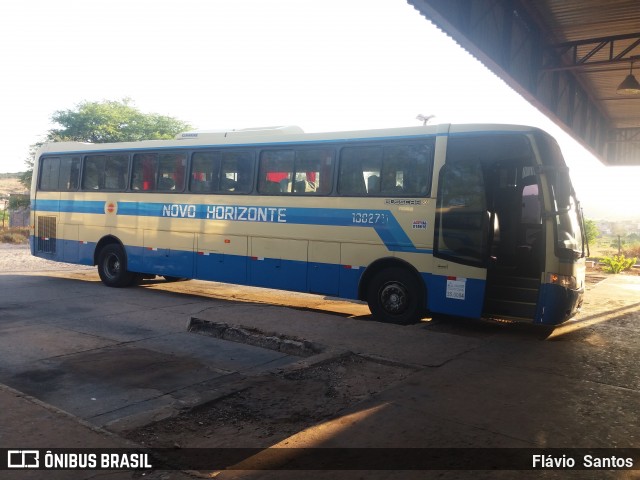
[294,275]
[69,206]
[382,221]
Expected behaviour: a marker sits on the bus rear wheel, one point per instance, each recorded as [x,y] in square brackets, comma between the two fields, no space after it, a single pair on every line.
[395,296]
[112,267]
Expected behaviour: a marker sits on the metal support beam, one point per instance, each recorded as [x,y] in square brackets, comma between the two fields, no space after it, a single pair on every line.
[503,35]
[584,53]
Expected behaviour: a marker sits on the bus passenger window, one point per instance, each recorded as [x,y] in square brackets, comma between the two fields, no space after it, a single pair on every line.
[171,171]
[313,171]
[236,172]
[93,172]
[373,183]
[69,174]
[391,182]
[204,168]
[357,166]
[144,171]
[115,172]
[59,174]
[276,171]
[49,171]
[396,170]
[407,169]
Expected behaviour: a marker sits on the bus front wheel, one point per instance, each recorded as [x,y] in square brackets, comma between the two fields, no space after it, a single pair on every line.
[394,296]
[112,267]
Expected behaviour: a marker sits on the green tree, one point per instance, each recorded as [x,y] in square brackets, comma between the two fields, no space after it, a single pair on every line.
[104,122]
[112,121]
[591,230]
[25,177]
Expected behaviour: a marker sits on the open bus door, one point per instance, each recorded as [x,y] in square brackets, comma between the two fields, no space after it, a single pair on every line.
[489,245]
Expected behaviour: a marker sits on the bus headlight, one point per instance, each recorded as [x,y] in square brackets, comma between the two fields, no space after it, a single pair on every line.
[566,281]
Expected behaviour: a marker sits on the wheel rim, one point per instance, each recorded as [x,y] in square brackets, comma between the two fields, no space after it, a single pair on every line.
[394,298]
[112,266]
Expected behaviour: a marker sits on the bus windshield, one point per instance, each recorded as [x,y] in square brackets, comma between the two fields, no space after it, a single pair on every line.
[568,226]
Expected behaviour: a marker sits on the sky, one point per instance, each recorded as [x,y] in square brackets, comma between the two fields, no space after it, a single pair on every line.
[225,64]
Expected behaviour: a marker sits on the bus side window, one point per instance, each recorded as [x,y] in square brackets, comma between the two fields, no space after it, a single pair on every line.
[236,172]
[49,172]
[171,171]
[276,171]
[407,169]
[144,171]
[69,174]
[205,167]
[115,172]
[356,164]
[373,183]
[93,172]
[391,182]
[313,171]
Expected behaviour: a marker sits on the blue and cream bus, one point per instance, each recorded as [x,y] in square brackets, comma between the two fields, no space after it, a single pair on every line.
[477,221]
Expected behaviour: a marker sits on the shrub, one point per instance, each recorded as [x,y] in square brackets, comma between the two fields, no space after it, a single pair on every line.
[617,263]
[632,250]
[14,235]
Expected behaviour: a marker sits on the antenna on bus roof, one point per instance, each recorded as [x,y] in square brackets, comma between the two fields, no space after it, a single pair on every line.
[424,118]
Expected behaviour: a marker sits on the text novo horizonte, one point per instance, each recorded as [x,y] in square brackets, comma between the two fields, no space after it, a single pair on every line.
[225,212]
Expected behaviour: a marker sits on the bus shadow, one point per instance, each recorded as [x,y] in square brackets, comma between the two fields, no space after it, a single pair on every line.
[348,309]
[483,327]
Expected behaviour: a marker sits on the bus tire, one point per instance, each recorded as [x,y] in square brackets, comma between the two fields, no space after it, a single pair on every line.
[395,296]
[112,267]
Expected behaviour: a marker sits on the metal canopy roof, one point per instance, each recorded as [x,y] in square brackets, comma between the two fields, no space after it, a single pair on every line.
[567,57]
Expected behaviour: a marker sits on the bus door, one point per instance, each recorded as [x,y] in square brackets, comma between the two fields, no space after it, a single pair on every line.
[489,239]
[516,242]
[457,285]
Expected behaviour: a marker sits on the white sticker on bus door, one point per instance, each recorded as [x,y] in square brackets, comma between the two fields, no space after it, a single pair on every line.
[456,288]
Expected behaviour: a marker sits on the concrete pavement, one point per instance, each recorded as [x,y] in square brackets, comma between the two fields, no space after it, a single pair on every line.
[476,385]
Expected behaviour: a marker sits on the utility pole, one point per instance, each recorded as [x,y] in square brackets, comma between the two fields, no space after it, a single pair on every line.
[4,213]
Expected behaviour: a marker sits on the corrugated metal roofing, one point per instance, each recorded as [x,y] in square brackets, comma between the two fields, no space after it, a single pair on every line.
[585,20]
[571,20]
[566,56]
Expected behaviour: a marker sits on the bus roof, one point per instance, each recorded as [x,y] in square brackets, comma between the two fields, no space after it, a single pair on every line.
[276,135]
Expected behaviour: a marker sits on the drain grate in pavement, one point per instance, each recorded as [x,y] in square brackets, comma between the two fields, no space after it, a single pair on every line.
[255,337]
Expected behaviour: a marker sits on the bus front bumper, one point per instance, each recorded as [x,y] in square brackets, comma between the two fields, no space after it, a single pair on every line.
[557,304]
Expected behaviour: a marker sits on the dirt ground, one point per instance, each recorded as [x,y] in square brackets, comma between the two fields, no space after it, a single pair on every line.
[274,406]
[17,258]
[11,185]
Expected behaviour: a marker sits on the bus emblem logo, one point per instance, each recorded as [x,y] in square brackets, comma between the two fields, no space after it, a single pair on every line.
[111,207]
